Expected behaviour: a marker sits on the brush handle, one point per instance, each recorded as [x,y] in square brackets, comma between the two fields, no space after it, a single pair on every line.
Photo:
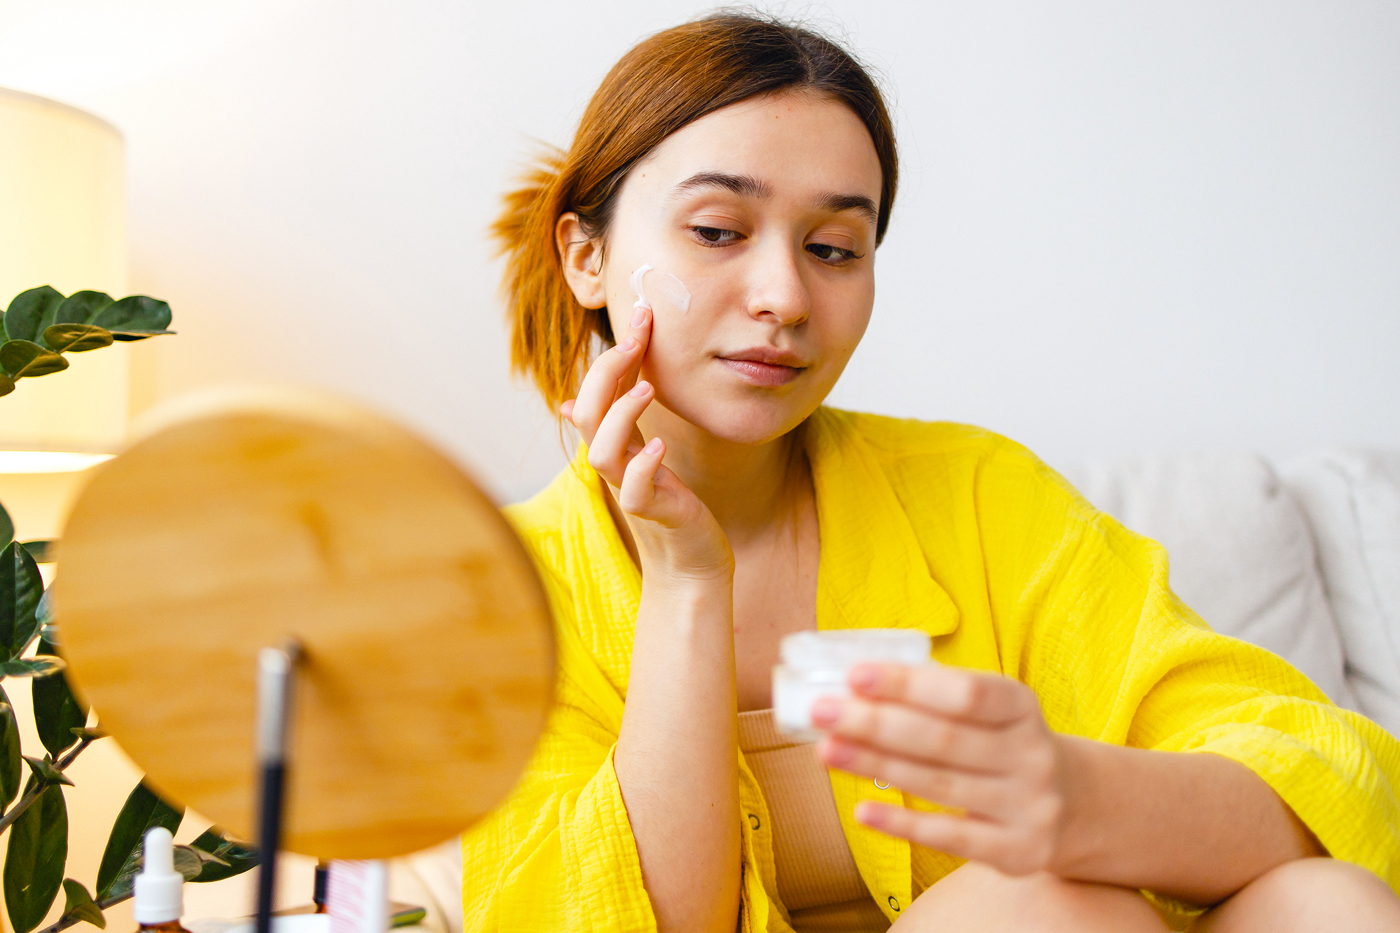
[276,672]
[272,780]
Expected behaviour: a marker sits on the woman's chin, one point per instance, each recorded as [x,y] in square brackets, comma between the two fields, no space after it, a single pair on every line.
[748,422]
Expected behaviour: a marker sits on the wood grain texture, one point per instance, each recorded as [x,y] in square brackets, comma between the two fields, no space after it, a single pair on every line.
[253,517]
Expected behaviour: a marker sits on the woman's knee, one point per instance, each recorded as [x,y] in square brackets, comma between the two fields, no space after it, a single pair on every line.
[976,897]
[1309,894]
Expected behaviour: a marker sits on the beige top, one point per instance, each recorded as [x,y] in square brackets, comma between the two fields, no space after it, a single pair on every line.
[817,878]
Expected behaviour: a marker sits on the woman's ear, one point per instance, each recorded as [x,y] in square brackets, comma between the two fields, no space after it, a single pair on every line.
[582,259]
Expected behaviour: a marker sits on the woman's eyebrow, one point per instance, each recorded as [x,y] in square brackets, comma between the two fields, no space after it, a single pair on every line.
[750,187]
[742,185]
[836,203]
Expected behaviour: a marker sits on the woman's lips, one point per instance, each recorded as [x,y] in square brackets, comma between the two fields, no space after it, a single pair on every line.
[760,373]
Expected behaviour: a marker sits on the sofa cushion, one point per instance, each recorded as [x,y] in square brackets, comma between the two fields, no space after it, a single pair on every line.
[1352,499]
[432,878]
[1240,549]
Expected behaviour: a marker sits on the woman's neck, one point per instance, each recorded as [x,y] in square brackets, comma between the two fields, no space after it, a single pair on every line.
[749,488]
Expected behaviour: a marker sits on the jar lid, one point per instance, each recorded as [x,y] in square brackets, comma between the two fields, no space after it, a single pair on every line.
[841,648]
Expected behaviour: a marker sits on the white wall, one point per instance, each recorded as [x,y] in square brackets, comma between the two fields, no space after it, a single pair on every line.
[1122,226]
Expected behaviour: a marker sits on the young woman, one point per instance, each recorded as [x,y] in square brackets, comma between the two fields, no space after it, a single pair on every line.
[714,226]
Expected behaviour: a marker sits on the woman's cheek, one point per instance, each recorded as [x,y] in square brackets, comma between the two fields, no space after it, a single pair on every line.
[848,320]
[671,355]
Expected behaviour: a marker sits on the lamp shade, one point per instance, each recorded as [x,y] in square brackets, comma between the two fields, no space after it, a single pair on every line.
[62,223]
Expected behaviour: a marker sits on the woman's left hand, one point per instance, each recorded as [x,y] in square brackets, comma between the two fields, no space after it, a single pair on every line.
[970,741]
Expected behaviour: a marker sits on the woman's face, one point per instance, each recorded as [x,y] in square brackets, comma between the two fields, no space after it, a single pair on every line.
[765,212]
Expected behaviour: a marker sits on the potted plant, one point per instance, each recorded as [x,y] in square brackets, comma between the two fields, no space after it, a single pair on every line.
[40,326]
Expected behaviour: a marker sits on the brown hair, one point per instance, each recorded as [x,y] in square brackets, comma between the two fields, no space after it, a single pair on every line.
[664,83]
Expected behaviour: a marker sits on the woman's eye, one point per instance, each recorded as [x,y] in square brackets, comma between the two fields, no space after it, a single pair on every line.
[833,255]
[715,236]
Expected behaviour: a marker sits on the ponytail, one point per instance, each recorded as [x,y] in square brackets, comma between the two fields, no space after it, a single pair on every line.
[551,333]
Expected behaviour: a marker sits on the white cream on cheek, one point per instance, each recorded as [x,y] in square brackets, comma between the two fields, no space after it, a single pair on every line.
[664,285]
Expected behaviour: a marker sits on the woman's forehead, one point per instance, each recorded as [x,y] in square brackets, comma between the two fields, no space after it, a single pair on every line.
[776,146]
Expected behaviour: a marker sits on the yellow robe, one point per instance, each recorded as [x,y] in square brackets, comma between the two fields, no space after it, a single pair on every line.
[967,536]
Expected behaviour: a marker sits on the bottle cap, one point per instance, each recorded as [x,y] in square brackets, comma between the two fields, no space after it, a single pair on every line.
[159,887]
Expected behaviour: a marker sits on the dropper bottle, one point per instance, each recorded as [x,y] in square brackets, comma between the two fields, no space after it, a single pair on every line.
[159,894]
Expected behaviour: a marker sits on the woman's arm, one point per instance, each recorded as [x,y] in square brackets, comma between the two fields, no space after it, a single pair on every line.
[675,758]
[677,749]
[1198,827]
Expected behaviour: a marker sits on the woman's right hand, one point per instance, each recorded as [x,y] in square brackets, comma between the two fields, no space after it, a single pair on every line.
[675,532]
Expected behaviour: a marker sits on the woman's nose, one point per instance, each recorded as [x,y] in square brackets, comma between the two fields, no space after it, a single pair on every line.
[776,288]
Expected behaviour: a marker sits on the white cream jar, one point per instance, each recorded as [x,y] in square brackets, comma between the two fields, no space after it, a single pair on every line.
[815,664]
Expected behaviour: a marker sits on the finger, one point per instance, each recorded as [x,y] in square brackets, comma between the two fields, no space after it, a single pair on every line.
[617,438]
[970,838]
[640,331]
[566,410]
[990,699]
[602,385]
[671,504]
[914,732]
[637,493]
[984,795]
[632,349]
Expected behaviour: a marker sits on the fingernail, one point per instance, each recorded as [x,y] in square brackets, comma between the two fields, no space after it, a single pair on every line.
[863,677]
[628,345]
[640,389]
[825,711]
[639,316]
[653,446]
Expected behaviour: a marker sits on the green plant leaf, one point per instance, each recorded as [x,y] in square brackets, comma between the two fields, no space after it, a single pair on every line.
[125,880]
[236,857]
[78,904]
[7,385]
[43,614]
[41,665]
[188,862]
[44,770]
[7,528]
[28,309]
[34,860]
[23,359]
[142,810]
[134,314]
[57,712]
[10,771]
[205,858]
[20,590]
[126,336]
[41,549]
[77,308]
[76,338]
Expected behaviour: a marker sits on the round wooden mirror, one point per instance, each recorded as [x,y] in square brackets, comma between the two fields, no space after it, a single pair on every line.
[254,517]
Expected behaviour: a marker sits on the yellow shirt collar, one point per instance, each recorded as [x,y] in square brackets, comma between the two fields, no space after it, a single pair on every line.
[872,572]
